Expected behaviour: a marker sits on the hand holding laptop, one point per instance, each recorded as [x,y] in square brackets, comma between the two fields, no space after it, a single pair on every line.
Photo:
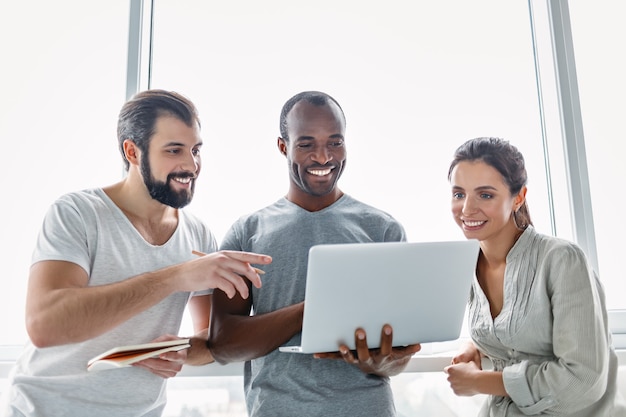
[385,360]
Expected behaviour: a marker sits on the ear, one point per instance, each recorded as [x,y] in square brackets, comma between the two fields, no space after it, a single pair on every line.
[520,198]
[282,146]
[131,151]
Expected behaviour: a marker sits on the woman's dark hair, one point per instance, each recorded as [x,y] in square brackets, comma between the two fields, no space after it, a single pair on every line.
[506,159]
[138,116]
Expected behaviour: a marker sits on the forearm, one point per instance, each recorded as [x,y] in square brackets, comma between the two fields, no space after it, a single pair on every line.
[74,314]
[236,338]
[490,382]
[198,353]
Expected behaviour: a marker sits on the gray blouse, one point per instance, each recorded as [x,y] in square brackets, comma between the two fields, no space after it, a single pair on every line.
[551,339]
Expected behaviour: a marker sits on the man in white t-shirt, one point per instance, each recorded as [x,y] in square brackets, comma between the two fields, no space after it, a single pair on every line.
[114,266]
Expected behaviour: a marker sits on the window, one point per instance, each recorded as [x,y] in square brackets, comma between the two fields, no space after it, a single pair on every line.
[63,82]
[415,79]
[598,37]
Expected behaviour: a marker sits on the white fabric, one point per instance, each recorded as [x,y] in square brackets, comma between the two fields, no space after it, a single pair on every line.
[88,229]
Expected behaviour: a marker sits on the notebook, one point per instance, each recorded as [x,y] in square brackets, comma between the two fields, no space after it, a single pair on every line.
[420,288]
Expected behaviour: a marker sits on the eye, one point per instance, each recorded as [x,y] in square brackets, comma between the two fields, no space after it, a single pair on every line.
[336,144]
[458,195]
[486,196]
[195,152]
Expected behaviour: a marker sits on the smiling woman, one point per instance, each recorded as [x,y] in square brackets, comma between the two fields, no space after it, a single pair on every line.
[529,287]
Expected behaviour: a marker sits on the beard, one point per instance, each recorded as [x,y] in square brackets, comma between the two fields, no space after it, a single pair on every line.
[162,191]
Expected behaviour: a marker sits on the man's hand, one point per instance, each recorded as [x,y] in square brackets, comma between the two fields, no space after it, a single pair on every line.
[384,361]
[230,271]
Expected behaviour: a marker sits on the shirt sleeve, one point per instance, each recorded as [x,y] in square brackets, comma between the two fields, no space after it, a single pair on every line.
[395,232]
[63,236]
[576,376]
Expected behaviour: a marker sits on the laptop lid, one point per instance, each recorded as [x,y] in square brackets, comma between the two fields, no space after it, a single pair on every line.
[420,288]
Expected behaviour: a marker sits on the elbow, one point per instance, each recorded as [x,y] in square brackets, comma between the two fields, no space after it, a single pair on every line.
[598,388]
[220,349]
[38,331]
[588,392]
[218,354]
[224,342]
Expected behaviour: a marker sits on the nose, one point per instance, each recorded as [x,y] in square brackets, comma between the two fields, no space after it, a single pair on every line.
[469,206]
[191,162]
[321,155]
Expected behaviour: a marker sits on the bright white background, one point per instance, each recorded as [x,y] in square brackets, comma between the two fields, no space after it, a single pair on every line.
[415,78]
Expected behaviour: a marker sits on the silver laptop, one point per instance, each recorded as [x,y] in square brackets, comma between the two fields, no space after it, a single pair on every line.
[421,289]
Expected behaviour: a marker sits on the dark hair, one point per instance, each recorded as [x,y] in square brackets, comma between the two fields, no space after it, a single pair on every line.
[506,159]
[138,116]
[316,98]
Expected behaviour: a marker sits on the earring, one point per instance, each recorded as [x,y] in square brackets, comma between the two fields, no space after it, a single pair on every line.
[519,226]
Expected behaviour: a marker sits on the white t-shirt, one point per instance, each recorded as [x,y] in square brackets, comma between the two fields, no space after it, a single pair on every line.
[88,229]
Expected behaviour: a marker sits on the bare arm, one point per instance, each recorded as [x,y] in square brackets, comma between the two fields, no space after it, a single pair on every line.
[200,309]
[467,379]
[234,335]
[61,308]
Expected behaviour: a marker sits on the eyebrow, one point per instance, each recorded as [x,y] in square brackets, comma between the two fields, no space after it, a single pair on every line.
[335,136]
[481,188]
[173,143]
[486,188]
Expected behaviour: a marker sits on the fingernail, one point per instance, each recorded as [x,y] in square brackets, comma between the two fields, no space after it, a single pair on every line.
[360,335]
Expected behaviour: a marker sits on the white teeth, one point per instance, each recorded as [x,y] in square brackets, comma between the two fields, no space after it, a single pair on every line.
[320,172]
[474,223]
[185,180]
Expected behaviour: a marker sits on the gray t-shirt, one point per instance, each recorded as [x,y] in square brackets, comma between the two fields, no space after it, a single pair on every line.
[287,384]
[88,229]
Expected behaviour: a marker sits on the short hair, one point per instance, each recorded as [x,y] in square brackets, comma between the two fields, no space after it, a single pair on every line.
[317,98]
[506,159]
[138,116]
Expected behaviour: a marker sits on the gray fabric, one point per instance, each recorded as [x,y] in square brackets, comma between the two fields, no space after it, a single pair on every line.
[88,229]
[551,339]
[288,384]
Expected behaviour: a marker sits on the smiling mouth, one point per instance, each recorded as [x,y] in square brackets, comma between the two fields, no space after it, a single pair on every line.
[475,223]
[320,172]
[185,180]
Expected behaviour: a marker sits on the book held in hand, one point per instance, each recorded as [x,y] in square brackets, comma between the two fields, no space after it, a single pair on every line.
[123,356]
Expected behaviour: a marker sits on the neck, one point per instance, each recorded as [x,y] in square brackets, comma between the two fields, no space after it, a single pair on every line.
[313,203]
[496,249]
[132,197]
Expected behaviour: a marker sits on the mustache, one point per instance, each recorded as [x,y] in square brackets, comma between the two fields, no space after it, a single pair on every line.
[184,174]
[318,166]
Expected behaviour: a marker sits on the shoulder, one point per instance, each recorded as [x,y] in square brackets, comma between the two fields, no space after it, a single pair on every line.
[558,249]
[558,259]
[191,220]
[280,208]
[352,204]
[193,225]
[84,204]
[372,219]
[87,197]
